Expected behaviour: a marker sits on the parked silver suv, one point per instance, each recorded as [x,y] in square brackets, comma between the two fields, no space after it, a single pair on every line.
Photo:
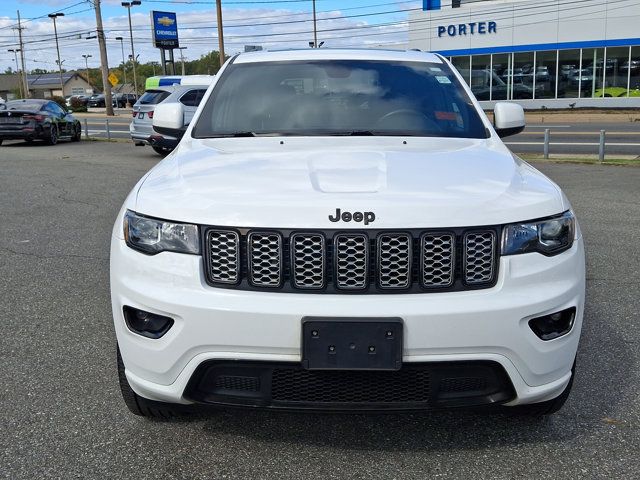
[141,127]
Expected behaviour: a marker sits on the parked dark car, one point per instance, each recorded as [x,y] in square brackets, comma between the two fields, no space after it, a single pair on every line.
[120,99]
[32,119]
[80,99]
[96,101]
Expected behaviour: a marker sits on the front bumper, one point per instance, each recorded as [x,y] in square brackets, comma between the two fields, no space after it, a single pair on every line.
[221,324]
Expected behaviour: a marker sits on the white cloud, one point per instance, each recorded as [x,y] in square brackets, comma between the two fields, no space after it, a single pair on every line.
[243,26]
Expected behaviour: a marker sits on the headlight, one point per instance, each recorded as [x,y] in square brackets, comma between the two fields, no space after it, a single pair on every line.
[548,237]
[150,235]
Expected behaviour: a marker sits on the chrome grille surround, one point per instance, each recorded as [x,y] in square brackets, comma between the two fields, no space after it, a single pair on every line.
[264,251]
[394,260]
[479,256]
[224,256]
[437,265]
[308,260]
[351,251]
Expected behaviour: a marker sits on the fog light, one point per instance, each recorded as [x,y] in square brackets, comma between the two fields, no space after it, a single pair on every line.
[147,324]
[554,325]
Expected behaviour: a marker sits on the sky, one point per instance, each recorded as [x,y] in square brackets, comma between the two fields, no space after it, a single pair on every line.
[271,24]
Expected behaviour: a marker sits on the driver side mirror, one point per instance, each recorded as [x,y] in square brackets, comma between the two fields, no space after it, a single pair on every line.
[168,119]
[508,119]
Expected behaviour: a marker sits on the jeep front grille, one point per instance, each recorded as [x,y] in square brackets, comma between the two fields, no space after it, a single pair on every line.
[308,260]
[479,253]
[330,261]
[224,259]
[394,260]
[352,261]
[265,259]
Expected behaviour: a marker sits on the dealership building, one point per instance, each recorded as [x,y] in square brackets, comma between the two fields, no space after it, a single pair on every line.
[543,53]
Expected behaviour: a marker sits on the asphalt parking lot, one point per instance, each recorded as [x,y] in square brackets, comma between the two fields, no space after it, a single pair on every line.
[62,415]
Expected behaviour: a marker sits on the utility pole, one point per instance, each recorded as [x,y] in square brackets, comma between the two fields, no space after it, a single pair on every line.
[220,33]
[18,71]
[53,17]
[315,29]
[104,61]
[182,59]
[86,65]
[128,6]
[24,70]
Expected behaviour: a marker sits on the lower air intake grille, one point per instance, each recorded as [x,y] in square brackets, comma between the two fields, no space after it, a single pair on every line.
[403,386]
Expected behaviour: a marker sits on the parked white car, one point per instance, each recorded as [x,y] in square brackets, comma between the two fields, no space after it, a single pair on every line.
[345,230]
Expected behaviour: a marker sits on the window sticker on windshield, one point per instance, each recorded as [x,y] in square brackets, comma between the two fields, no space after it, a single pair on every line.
[435,69]
[443,79]
[446,116]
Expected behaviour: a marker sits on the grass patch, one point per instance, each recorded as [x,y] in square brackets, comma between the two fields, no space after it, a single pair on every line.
[589,159]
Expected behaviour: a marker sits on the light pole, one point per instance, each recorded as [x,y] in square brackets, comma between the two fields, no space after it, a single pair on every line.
[182,58]
[15,54]
[86,66]
[124,65]
[128,6]
[53,17]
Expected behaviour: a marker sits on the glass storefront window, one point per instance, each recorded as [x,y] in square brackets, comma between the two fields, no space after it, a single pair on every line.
[591,75]
[463,65]
[481,80]
[500,64]
[568,73]
[633,68]
[522,76]
[616,77]
[545,84]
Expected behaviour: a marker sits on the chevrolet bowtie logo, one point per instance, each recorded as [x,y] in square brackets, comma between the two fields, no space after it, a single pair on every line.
[166,21]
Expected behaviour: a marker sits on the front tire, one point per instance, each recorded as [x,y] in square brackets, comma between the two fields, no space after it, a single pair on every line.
[141,406]
[52,139]
[77,133]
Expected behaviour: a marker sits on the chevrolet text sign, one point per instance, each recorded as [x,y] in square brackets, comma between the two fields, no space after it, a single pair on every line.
[165,29]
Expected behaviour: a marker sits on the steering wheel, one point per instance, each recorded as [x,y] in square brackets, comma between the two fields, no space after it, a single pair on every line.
[424,121]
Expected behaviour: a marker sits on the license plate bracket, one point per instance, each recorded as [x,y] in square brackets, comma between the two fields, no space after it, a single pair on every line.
[342,343]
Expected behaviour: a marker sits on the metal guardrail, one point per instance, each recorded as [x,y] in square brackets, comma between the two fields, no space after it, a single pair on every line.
[601,147]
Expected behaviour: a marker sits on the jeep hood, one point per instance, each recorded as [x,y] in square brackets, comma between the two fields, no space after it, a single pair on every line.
[294,182]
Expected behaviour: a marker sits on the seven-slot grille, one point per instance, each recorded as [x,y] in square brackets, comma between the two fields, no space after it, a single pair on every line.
[351,262]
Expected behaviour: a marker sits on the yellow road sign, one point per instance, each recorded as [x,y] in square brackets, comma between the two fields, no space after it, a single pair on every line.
[113,79]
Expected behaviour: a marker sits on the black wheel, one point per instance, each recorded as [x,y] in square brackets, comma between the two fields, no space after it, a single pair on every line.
[164,151]
[141,406]
[545,408]
[77,133]
[53,135]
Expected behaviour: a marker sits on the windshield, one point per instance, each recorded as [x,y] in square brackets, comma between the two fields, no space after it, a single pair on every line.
[353,97]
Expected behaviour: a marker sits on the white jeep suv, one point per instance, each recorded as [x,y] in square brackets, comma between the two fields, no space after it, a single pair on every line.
[345,230]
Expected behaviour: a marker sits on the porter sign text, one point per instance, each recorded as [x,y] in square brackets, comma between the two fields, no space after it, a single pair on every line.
[463,29]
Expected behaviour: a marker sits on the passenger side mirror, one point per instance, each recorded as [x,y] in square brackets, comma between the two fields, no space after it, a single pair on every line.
[168,119]
[508,119]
